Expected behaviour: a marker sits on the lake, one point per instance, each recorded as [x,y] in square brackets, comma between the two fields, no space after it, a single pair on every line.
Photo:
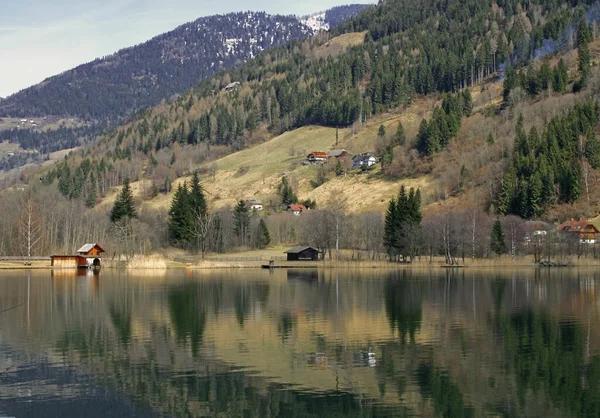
[258,343]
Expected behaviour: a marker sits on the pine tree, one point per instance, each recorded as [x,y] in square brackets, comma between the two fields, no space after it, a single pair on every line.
[389,236]
[124,207]
[497,244]
[583,39]
[560,77]
[65,183]
[381,131]
[286,193]
[241,216]
[584,62]
[197,199]
[467,103]
[507,193]
[180,217]
[263,235]
[400,136]
[92,192]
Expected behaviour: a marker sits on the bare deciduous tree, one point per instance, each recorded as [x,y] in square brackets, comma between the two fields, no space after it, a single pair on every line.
[30,227]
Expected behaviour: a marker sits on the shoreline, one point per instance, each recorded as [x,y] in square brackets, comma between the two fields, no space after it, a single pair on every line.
[163,263]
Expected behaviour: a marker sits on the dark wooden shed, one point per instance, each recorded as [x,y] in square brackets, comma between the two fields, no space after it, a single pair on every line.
[302,253]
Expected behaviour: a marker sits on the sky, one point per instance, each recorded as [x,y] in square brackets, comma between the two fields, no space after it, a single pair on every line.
[40,38]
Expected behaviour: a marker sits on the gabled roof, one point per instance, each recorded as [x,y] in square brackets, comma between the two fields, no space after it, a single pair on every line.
[297,207]
[363,157]
[337,152]
[299,249]
[576,226]
[318,154]
[88,247]
[253,202]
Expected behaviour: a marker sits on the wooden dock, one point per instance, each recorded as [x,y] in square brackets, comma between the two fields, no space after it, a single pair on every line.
[291,265]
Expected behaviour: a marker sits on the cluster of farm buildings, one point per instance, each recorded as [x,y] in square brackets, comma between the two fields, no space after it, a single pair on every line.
[362,161]
[581,231]
[257,205]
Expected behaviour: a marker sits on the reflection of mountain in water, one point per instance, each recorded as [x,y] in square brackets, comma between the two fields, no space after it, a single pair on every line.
[350,344]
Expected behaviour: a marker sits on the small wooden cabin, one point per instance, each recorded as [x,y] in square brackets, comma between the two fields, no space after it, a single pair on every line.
[90,250]
[68,261]
[302,253]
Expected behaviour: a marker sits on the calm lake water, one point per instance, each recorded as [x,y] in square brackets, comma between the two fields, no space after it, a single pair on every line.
[300,343]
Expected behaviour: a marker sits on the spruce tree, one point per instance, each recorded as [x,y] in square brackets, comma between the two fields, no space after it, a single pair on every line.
[402,216]
[467,103]
[286,193]
[263,235]
[497,244]
[400,136]
[197,199]
[381,131]
[124,207]
[65,183]
[92,192]
[389,236]
[583,39]
[181,219]
[241,216]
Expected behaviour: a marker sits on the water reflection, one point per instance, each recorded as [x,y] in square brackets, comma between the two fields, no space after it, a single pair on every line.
[303,343]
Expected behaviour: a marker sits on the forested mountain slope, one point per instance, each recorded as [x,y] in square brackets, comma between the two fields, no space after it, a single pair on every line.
[112,86]
[103,92]
[426,54]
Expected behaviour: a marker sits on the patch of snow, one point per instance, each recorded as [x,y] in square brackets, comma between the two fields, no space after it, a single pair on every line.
[231,43]
[315,21]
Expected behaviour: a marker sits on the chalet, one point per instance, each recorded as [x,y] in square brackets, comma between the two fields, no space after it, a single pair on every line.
[296,208]
[364,160]
[584,230]
[317,157]
[254,204]
[302,253]
[338,153]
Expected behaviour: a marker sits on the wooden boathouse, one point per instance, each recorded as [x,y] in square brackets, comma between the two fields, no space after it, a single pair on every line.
[88,256]
[302,253]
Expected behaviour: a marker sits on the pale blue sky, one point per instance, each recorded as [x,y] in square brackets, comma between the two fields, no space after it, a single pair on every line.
[40,38]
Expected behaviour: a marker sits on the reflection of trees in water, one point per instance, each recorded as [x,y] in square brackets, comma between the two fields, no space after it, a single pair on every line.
[121,320]
[497,287]
[550,355]
[285,325]
[403,305]
[245,296]
[188,314]
[444,393]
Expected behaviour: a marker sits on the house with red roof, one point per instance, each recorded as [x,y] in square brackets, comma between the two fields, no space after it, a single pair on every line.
[296,208]
[584,230]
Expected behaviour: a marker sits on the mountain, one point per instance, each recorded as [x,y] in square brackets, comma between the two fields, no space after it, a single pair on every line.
[111,87]
[103,92]
[143,75]
[451,97]
[323,21]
